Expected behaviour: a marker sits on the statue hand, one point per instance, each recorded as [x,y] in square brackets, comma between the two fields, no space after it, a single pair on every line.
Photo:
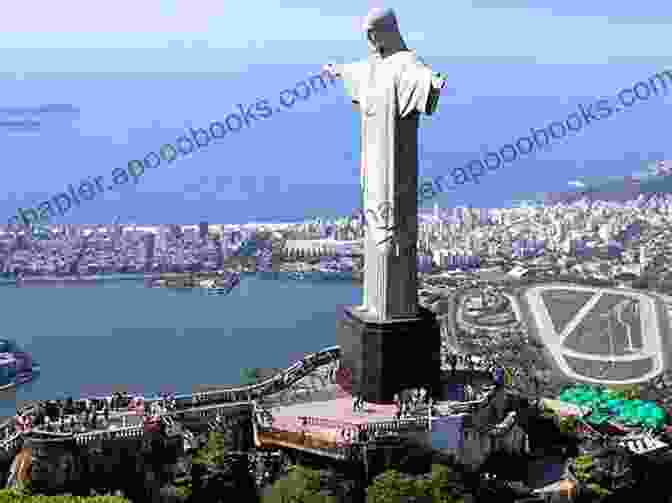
[438,81]
[332,69]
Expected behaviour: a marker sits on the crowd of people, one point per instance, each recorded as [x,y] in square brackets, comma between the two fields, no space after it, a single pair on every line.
[488,365]
[78,416]
[408,401]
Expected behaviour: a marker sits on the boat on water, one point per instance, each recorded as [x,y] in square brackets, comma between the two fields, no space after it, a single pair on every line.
[16,366]
[220,282]
[232,283]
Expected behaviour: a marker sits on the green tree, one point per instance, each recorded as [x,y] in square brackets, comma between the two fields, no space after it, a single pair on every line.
[445,485]
[568,424]
[250,375]
[584,468]
[184,492]
[213,453]
[392,486]
[13,496]
[632,392]
[302,485]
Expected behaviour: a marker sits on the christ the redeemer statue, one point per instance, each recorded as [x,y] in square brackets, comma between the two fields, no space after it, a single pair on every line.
[391,89]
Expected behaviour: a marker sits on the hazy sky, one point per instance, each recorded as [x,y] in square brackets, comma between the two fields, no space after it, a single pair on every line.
[141,73]
[68,35]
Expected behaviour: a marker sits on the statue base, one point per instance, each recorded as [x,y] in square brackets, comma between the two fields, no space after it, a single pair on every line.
[384,357]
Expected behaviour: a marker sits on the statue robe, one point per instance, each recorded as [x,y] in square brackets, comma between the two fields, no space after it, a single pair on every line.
[391,93]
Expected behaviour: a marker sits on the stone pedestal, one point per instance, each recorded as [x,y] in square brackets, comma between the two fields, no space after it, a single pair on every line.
[385,357]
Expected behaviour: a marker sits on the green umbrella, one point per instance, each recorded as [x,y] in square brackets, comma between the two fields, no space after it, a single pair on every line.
[614,403]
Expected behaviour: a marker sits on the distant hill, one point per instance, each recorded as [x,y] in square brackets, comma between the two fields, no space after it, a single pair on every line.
[616,188]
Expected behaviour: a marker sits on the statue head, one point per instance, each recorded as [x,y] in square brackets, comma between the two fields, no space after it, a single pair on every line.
[382,32]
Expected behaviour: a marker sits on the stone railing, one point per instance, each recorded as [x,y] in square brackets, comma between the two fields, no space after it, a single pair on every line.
[129,432]
[10,443]
[373,428]
[205,410]
[395,426]
[223,398]
[272,385]
[7,428]
[326,423]
[229,396]
[126,432]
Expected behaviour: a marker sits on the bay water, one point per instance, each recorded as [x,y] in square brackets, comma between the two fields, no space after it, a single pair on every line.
[107,336]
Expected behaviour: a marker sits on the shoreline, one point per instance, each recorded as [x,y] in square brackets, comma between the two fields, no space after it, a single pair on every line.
[149,276]
[96,277]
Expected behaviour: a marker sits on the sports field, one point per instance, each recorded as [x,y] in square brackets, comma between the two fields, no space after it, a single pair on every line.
[563,305]
[608,336]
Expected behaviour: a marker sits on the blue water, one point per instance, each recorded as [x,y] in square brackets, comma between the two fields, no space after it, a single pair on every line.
[122,336]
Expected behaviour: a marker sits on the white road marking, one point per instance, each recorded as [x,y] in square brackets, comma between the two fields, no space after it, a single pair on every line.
[628,328]
[578,317]
[651,336]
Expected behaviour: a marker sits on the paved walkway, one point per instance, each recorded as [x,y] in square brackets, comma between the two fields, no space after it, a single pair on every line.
[340,409]
[337,410]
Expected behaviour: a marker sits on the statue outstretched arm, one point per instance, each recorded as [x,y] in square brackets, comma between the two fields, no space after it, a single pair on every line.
[351,74]
[438,83]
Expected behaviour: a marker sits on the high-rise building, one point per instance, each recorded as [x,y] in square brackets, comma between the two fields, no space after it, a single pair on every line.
[150,244]
[642,256]
[219,249]
[203,230]
[179,255]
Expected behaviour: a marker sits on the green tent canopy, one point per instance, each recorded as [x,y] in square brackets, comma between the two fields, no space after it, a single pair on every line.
[610,405]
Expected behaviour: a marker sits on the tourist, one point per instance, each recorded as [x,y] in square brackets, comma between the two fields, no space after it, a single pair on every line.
[39,417]
[452,359]
[360,403]
[469,392]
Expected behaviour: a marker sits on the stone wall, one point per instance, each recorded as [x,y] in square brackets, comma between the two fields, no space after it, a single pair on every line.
[124,463]
[60,465]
